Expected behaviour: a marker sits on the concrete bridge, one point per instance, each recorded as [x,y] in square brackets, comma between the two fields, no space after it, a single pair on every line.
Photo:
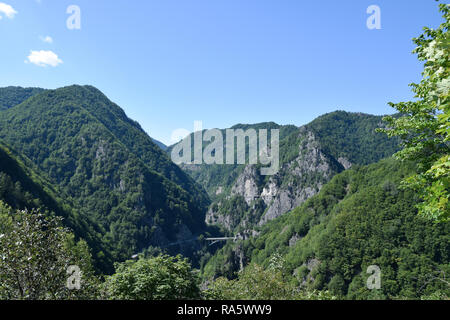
[215,240]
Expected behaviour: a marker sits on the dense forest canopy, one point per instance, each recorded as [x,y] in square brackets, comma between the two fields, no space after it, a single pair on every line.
[12,96]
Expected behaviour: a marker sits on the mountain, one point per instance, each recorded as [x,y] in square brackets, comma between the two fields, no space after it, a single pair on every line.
[360,218]
[11,96]
[215,178]
[351,138]
[309,157]
[110,170]
[21,187]
[160,144]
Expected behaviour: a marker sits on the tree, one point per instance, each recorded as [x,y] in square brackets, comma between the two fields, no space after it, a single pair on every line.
[35,253]
[253,283]
[257,283]
[157,278]
[424,124]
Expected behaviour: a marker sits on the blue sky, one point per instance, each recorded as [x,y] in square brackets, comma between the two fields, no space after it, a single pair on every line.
[168,63]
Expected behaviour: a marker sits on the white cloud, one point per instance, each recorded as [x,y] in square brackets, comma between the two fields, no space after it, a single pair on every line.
[46,39]
[44,58]
[7,10]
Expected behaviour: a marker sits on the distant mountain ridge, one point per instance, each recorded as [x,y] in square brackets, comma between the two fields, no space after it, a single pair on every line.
[310,156]
[12,96]
[160,144]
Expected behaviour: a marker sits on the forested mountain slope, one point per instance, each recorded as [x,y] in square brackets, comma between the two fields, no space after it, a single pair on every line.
[360,218]
[309,157]
[21,187]
[350,137]
[160,144]
[11,96]
[108,168]
[217,178]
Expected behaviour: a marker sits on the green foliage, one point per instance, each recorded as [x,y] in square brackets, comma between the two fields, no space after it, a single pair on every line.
[253,283]
[158,278]
[359,218]
[257,283]
[224,262]
[353,136]
[425,124]
[340,134]
[21,188]
[160,144]
[11,96]
[211,177]
[35,252]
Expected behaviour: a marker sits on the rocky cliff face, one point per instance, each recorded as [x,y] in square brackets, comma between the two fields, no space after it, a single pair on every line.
[266,198]
[246,185]
[299,179]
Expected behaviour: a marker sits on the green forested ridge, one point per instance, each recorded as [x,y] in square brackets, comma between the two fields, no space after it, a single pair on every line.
[352,136]
[210,177]
[360,218]
[340,133]
[22,188]
[107,167]
[11,96]
[160,144]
